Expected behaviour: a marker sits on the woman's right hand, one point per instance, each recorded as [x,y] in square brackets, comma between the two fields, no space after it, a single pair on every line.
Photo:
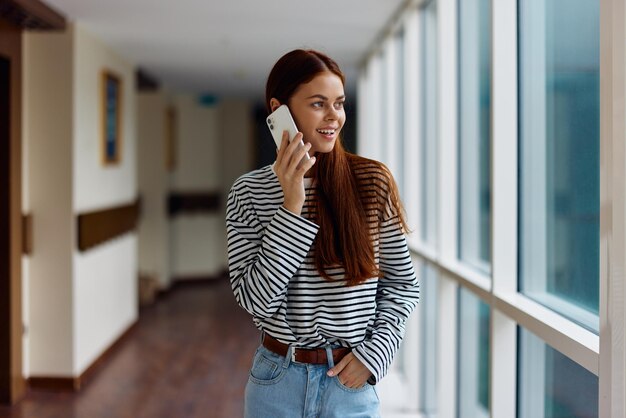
[291,173]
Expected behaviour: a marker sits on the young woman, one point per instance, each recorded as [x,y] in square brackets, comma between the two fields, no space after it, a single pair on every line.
[317,255]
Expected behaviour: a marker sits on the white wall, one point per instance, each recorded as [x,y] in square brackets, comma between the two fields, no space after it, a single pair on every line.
[153,179]
[105,278]
[47,136]
[116,184]
[236,144]
[214,147]
[77,304]
[197,150]
[195,239]
[236,141]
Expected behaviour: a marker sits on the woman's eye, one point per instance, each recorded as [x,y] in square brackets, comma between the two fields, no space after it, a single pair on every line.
[318,104]
[339,105]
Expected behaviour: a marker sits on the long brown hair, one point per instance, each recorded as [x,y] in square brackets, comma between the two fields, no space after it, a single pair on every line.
[343,201]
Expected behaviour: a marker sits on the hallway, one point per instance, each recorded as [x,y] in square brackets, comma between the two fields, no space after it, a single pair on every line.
[124,124]
[188,356]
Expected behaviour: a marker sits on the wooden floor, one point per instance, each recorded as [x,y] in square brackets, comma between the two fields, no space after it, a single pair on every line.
[188,356]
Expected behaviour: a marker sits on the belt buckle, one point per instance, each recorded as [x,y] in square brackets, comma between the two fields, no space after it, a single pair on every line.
[293,354]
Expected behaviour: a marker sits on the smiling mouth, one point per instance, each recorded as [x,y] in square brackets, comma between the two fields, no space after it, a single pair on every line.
[327,131]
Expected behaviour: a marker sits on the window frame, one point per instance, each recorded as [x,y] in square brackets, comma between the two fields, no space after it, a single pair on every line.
[604,354]
[613,209]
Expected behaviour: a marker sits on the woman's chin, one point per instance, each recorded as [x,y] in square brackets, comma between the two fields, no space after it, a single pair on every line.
[325,148]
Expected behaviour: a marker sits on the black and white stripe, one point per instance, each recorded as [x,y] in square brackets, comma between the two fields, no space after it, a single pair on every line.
[273,275]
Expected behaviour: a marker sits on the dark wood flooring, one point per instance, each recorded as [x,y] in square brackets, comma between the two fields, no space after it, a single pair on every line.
[188,356]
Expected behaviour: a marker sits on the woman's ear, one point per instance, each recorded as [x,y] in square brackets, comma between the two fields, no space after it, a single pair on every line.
[274,104]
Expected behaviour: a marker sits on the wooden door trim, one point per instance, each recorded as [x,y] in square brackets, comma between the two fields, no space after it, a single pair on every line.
[15,15]
[12,385]
[31,14]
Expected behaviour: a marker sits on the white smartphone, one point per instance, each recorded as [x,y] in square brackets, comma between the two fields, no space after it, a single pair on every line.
[279,121]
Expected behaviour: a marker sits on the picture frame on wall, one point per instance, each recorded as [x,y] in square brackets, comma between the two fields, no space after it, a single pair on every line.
[111,109]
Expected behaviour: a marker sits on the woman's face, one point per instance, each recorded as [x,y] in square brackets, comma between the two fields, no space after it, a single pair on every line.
[317,108]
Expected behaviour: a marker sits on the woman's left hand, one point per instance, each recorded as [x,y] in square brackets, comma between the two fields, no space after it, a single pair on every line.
[350,372]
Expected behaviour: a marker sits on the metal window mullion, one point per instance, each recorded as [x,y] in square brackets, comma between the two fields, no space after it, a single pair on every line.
[447,129]
[390,136]
[612,385]
[412,120]
[447,194]
[504,178]
[413,342]
[565,336]
[447,396]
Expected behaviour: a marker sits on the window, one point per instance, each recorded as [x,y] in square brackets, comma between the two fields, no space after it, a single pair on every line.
[475,133]
[473,349]
[559,156]
[428,352]
[551,385]
[381,105]
[399,117]
[428,135]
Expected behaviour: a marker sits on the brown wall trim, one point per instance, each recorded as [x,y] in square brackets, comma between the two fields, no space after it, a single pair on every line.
[193,202]
[27,234]
[31,14]
[97,227]
[74,384]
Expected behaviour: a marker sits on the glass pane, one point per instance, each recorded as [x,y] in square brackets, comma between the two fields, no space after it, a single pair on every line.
[428,135]
[560,156]
[428,326]
[399,87]
[473,349]
[475,132]
[381,105]
[551,385]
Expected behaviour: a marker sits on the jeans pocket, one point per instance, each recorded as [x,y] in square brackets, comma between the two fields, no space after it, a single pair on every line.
[265,370]
[363,388]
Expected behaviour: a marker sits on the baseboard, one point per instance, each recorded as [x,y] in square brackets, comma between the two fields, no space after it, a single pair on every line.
[57,384]
[74,384]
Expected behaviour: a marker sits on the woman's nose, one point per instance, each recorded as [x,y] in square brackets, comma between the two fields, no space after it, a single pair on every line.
[331,113]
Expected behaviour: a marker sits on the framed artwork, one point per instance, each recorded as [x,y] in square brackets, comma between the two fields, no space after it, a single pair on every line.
[111,109]
[170,138]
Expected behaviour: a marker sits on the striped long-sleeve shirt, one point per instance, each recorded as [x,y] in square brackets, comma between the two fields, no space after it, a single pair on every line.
[273,275]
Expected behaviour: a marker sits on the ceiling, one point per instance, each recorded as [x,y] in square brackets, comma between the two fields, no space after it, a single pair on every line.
[226,48]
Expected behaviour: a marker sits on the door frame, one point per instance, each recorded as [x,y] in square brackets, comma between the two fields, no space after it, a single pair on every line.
[15,17]
[12,384]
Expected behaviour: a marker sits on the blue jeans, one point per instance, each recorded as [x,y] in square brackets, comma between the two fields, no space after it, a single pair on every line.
[281,388]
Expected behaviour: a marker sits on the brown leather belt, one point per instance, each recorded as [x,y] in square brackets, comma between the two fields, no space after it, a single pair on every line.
[303,355]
